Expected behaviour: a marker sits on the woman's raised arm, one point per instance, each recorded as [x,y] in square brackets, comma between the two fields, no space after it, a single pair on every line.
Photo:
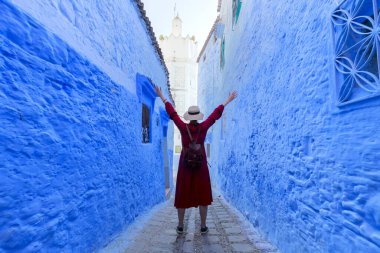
[217,113]
[170,109]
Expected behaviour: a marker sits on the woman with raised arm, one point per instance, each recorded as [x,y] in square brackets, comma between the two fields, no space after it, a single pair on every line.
[193,186]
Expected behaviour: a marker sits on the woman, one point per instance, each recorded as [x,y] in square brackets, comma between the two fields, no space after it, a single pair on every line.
[193,187]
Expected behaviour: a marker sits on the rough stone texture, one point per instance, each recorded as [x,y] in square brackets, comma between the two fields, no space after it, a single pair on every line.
[304,171]
[107,33]
[157,233]
[73,170]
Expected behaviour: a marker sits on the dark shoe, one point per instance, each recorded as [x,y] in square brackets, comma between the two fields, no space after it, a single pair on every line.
[204,230]
[179,230]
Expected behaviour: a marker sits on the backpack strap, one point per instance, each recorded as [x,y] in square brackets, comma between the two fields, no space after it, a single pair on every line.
[188,131]
[191,137]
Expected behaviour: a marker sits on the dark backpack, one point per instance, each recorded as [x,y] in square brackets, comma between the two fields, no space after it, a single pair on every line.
[193,154]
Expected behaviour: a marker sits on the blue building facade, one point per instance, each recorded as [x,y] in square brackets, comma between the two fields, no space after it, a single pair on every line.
[85,144]
[298,152]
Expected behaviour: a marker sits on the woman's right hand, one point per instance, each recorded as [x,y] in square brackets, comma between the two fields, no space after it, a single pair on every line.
[159,92]
[231,97]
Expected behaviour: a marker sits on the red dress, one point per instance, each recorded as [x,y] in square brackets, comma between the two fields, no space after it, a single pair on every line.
[193,186]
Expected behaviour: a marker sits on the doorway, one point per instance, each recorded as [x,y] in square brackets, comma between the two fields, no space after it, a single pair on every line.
[166,165]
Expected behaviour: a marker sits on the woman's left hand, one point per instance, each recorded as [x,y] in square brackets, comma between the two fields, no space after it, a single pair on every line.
[231,97]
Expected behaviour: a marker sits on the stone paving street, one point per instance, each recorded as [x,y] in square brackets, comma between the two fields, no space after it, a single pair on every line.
[227,233]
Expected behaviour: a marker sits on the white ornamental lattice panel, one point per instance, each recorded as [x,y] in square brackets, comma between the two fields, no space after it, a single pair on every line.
[356,31]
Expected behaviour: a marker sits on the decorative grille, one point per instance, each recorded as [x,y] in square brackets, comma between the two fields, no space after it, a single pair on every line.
[356,29]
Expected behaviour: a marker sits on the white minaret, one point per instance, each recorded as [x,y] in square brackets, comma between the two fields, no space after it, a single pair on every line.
[180,54]
[177,27]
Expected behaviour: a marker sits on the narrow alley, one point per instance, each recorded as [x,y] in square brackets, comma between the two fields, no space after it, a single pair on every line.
[229,233]
[100,101]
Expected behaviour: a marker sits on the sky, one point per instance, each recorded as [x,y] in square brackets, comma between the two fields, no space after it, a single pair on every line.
[197,16]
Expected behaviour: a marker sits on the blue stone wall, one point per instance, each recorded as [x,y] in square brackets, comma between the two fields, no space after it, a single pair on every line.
[73,170]
[301,169]
[210,96]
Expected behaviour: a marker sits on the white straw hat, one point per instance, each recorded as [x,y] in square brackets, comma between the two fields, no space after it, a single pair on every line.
[193,113]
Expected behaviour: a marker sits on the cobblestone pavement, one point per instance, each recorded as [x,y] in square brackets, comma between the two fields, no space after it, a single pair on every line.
[226,233]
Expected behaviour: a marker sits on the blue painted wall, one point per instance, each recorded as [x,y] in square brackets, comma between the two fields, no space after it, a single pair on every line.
[73,170]
[300,168]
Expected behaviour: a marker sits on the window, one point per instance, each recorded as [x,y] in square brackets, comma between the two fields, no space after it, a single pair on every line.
[355,31]
[178,76]
[146,124]
[180,102]
[236,6]
[146,96]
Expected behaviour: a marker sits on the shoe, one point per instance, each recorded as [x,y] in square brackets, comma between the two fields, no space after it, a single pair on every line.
[204,230]
[179,230]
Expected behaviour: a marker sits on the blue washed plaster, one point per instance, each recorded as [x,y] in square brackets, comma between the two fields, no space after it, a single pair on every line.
[73,170]
[110,34]
[303,170]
